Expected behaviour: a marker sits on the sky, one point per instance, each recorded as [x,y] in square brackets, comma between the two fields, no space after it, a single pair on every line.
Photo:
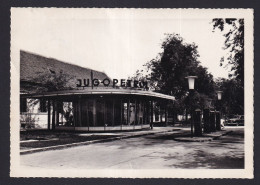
[115,41]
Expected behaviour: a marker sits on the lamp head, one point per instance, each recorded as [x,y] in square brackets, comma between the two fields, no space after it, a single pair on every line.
[219,93]
[191,81]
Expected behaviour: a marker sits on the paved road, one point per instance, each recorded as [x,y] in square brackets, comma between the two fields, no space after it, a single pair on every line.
[158,151]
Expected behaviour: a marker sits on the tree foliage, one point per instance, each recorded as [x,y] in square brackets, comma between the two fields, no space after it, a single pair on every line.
[54,81]
[177,61]
[166,73]
[234,43]
[233,98]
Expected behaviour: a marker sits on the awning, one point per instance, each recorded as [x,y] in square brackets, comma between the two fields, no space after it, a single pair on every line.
[100,92]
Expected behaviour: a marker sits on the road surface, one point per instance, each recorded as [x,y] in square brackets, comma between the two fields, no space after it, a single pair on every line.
[157,151]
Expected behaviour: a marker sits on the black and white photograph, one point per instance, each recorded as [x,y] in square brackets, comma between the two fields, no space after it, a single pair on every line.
[131,93]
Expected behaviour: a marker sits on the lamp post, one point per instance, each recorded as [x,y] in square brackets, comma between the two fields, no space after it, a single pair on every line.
[218,114]
[191,82]
[206,116]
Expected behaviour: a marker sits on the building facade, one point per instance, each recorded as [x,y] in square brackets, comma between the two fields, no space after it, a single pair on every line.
[85,106]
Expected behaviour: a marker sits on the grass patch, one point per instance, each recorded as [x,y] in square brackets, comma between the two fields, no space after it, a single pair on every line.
[45,138]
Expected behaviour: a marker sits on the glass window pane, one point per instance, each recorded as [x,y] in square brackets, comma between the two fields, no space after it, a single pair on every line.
[90,114]
[132,112]
[100,112]
[109,112]
[84,113]
[117,112]
[23,105]
[125,112]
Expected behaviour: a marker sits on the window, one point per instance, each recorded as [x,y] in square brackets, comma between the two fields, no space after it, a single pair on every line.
[43,107]
[23,105]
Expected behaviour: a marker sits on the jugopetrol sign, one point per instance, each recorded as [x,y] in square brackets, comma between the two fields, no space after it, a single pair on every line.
[115,82]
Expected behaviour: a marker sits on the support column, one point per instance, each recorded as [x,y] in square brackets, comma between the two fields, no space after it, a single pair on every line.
[218,116]
[128,111]
[94,112]
[148,112]
[74,113]
[57,113]
[79,111]
[212,121]
[104,113]
[144,113]
[136,121]
[113,113]
[218,126]
[173,113]
[166,115]
[49,114]
[206,119]
[144,116]
[197,123]
[121,113]
[87,109]
[53,114]
[160,114]
[192,123]
[151,123]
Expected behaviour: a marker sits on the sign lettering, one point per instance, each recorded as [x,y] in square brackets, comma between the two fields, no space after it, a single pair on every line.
[115,82]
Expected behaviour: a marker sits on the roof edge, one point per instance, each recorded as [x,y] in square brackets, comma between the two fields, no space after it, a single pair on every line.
[65,62]
[100,92]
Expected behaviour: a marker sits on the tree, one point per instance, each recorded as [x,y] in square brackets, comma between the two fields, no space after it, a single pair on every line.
[54,81]
[166,74]
[233,97]
[168,71]
[234,43]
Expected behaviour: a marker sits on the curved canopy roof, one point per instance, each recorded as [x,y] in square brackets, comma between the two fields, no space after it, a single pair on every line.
[101,92]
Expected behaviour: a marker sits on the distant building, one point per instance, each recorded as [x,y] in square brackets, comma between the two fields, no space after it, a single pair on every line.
[51,97]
